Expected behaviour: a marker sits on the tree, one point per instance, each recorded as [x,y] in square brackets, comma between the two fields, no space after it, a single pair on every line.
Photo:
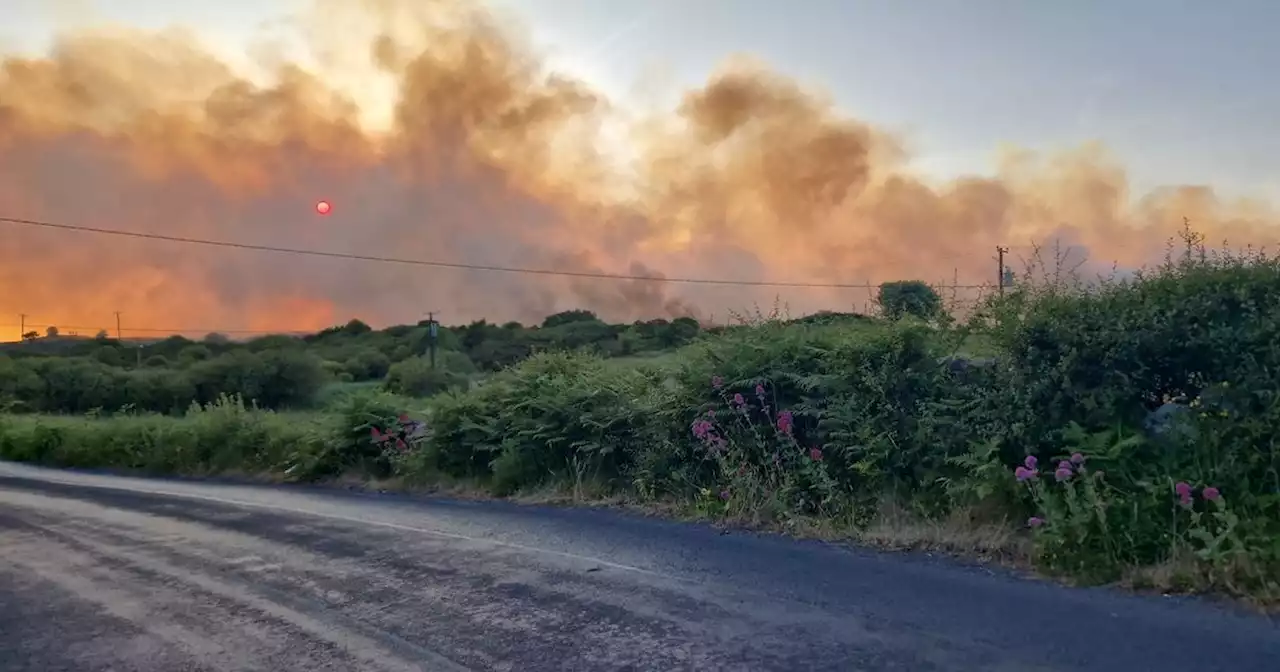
[569,316]
[909,297]
[102,335]
[356,328]
[51,332]
[31,336]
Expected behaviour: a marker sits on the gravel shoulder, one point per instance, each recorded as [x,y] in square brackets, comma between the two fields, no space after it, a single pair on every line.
[113,573]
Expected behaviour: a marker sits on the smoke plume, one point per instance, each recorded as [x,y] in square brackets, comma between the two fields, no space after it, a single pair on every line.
[490,159]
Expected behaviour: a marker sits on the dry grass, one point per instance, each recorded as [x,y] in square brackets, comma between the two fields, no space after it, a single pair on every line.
[1185,574]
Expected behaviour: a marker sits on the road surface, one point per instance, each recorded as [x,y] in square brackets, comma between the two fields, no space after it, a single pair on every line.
[103,573]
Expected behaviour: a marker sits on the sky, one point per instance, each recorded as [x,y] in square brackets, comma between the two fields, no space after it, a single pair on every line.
[819,141]
[1179,90]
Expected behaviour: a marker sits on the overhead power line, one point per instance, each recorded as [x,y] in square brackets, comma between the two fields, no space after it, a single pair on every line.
[443,264]
[155,330]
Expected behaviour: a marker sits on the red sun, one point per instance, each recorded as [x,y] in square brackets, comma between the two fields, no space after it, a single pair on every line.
[323,207]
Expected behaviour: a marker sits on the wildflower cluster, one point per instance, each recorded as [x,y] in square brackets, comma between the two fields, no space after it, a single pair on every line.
[757,451]
[400,435]
[1186,496]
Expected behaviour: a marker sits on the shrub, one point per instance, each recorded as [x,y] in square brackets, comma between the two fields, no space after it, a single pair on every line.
[273,379]
[224,436]
[909,298]
[415,377]
[367,364]
[1196,338]
[358,422]
[555,416]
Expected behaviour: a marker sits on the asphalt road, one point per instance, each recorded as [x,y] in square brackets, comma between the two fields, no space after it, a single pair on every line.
[102,573]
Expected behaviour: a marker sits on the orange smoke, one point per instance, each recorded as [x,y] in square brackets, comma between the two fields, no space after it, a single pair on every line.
[490,160]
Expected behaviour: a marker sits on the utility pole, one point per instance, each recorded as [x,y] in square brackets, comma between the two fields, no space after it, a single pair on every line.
[117,325]
[1000,252]
[433,334]
[22,327]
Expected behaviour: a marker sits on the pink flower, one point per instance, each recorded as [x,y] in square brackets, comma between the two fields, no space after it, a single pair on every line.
[402,445]
[702,429]
[717,382]
[760,391]
[724,495]
[1063,474]
[1183,489]
[739,401]
[1211,494]
[1024,474]
[815,454]
[785,422]
[1031,462]
[1035,521]
[404,418]
[1077,459]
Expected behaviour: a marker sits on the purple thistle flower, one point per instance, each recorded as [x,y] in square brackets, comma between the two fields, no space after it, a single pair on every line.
[1077,459]
[1035,521]
[739,401]
[1063,474]
[717,382]
[1182,488]
[1031,462]
[1024,474]
[1211,494]
[785,422]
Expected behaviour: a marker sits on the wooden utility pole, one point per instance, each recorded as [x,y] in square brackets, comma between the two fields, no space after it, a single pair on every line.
[1000,252]
[22,326]
[117,325]
[433,333]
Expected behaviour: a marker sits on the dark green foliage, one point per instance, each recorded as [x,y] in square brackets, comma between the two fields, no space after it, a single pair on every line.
[352,446]
[909,298]
[555,416]
[273,379]
[416,377]
[568,317]
[224,436]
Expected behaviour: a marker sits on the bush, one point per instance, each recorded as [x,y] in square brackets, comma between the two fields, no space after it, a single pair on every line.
[1087,369]
[909,297]
[273,379]
[415,377]
[358,420]
[224,436]
[367,365]
[555,416]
